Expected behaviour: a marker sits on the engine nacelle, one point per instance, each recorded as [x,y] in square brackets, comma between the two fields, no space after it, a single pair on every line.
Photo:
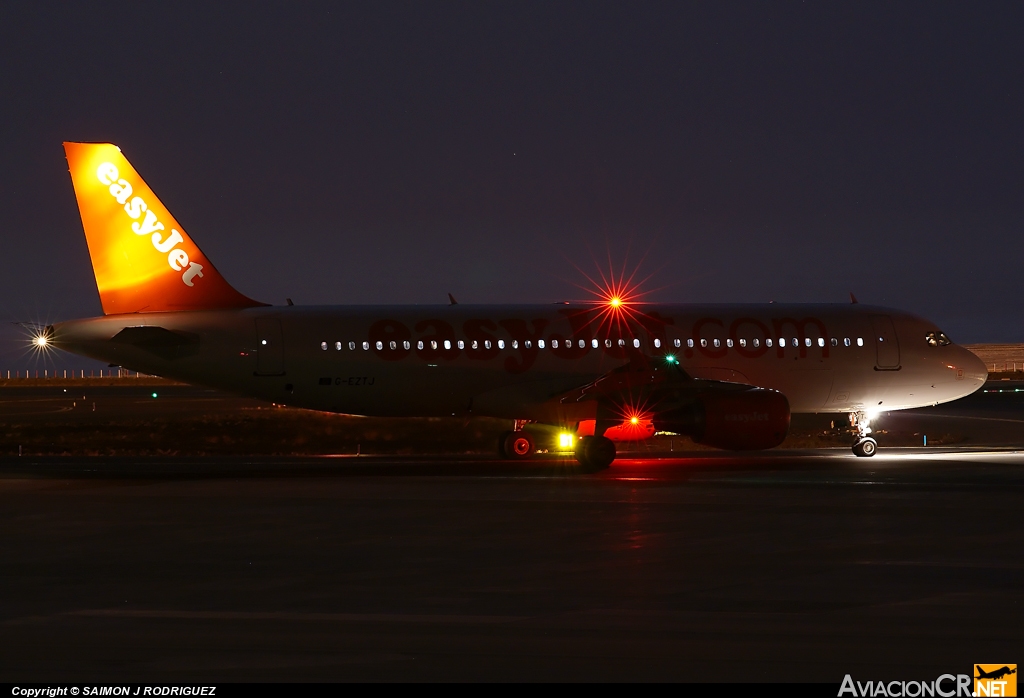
[626,431]
[748,420]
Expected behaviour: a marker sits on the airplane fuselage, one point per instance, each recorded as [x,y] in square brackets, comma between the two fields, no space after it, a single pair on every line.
[513,361]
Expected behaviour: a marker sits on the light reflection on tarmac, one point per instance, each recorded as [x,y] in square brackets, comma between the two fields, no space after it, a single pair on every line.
[791,566]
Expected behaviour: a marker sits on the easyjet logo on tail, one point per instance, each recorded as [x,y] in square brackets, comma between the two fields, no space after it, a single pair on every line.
[136,208]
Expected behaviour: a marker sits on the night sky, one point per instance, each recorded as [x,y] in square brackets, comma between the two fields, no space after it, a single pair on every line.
[392,153]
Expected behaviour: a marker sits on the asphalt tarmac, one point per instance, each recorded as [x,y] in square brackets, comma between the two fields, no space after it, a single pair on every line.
[781,566]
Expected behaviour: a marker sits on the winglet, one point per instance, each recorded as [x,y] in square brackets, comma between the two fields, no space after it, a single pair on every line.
[142,258]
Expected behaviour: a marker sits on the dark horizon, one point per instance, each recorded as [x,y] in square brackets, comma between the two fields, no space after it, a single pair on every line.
[395,153]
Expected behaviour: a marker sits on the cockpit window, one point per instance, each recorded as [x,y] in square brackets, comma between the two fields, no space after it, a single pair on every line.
[937,339]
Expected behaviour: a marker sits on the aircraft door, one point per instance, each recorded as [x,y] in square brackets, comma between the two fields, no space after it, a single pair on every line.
[269,347]
[887,345]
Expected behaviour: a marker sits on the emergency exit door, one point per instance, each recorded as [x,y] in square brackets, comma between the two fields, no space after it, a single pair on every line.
[887,345]
[269,348]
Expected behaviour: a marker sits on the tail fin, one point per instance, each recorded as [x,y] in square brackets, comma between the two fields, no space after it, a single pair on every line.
[143,260]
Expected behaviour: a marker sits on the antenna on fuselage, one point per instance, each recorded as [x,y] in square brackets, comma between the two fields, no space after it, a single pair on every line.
[452,299]
[853,298]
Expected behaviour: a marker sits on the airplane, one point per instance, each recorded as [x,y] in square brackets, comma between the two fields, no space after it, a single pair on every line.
[727,376]
[994,674]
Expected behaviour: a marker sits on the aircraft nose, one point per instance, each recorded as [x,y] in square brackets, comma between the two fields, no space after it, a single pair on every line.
[974,369]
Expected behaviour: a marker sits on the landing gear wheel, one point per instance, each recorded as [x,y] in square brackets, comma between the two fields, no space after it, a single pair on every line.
[595,452]
[865,448]
[518,445]
[581,451]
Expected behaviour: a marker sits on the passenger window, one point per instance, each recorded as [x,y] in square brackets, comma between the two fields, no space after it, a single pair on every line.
[768,342]
[657,343]
[528,344]
[487,344]
[846,341]
[406,345]
[757,342]
[743,342]
[689,343]
[860,341]
[835,342]
[337,346]
[703,342]
[540,343]
[594,343]
[676,343]
[636,343]
[323,345]
[501,343]
[447,344]
[460,344]
[419,345]
[393,345]
[554,343]
[728,343]
[607,344]
[366,346]
[807,341]
[351,346]
[433,344]
[821,341]
[380,346]
[583,344]
[717,343]
[515,343]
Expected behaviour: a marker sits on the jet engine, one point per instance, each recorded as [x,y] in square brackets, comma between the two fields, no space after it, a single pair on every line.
[633,429]
[743,420]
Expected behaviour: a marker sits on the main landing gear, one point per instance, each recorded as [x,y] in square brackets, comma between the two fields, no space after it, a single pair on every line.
[864,446]
[517,444]
[592,452]
[595,452]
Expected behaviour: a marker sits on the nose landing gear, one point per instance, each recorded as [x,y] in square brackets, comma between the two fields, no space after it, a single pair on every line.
[864,446]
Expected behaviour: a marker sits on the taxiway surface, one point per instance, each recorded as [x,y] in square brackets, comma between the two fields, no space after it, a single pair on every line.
[779,566]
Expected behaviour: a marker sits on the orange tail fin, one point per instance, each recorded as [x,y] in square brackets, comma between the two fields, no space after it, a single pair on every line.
[143,260]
